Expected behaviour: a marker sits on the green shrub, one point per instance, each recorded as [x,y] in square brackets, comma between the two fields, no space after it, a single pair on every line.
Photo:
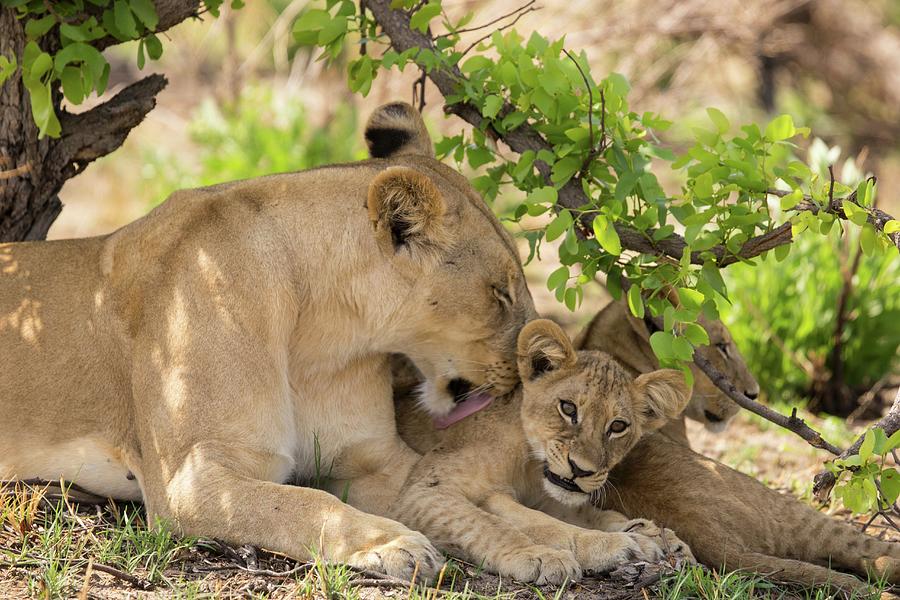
[784,313]
[265,132]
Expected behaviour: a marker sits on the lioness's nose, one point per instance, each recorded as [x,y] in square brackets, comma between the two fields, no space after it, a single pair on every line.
[578,471]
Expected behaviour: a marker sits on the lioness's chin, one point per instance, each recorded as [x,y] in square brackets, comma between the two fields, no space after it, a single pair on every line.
[564,496]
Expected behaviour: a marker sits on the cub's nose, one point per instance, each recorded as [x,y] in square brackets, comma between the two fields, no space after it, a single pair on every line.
[712,417]
[578,471]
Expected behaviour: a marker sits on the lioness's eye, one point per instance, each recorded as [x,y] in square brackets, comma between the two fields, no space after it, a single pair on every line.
[617,426]
[723,348]
[569,410]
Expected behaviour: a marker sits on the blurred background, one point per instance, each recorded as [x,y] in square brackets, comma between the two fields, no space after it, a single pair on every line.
[244,100]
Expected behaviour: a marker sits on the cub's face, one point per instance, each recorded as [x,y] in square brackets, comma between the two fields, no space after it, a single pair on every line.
[457,271]
[582,412]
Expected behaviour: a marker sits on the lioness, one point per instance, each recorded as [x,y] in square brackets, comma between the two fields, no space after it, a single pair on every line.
[225,343]
[728,518]
[573,419]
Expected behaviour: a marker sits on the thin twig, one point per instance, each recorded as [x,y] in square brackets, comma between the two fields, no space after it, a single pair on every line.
[141,584]
[488,24]
[501,28]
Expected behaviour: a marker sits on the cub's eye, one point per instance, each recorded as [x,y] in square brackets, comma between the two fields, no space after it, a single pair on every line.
[723,348]
[502,297]
[569,410]
[617,426]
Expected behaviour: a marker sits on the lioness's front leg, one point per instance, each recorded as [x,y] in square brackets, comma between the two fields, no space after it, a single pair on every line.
[595,550]
[220,430]
[214,493]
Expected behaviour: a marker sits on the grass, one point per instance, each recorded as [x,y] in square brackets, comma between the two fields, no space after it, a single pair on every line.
[47,547]
[699,583]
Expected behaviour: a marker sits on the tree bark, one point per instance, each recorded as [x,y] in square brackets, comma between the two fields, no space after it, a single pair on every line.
[33,170]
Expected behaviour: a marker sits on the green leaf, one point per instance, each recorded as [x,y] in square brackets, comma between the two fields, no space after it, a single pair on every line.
[868,444]
[40,66]
[559,225]
[558,277]
[8,67]
[542,195]
[146,13]
[492,106]
[867,239]
[124,19]
[42,108]
[791,200]
[661,342]
[890,484]
[476,63]
[780,128]
[154,46]
[424,15]
[855,213]
[35,28]
[607,236]
[571,299]
[308,26]
[696,334]
[73,87]
[892,226]
[635,302]
[690,299]
[682,349]
[719,119]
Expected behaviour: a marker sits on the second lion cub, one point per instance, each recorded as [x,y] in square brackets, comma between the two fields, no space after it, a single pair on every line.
[575,417]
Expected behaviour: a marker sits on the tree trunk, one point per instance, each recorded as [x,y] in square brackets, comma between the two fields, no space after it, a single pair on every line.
[32,170]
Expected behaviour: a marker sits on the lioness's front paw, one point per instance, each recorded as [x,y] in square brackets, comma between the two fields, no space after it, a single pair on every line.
[642,526]
[540,565]
[399,556]
[603,551]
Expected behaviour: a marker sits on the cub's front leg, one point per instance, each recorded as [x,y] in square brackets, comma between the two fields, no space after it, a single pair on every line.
[595,550]
[459,526]
[590,517]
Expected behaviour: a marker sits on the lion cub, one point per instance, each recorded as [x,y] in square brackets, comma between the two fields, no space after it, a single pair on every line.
[575,417]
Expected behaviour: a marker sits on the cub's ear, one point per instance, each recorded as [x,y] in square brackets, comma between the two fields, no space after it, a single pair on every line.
[659,397]
[407,210]
[395,129]
[543,347]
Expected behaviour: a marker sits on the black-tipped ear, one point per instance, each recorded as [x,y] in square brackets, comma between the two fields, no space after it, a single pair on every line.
[395,129]
[660,396]
[406,208]
[543,347]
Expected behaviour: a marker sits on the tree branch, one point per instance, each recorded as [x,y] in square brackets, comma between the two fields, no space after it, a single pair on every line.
[824,480]
[395,24]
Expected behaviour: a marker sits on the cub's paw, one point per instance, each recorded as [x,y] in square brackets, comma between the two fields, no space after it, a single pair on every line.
[602,551]
[642,526]
[399,557]
[540,565]
[673,546]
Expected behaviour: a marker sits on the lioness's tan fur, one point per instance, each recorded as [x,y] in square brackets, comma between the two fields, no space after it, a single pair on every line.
[237,337]
[475,490]
[727,518]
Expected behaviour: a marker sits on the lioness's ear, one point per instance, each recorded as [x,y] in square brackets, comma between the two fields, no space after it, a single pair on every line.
[406,208]
[395,129]
[660,396]
[543,347]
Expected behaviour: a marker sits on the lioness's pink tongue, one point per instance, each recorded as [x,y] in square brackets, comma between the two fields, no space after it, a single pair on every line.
[470,405]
